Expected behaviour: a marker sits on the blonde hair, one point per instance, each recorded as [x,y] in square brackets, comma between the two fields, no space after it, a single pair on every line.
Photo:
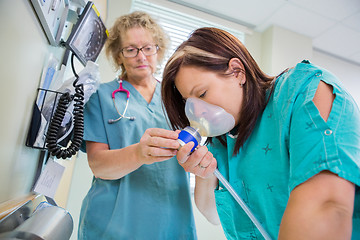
[122,24]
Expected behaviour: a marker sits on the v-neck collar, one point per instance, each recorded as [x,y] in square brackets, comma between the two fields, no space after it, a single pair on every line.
[137,94]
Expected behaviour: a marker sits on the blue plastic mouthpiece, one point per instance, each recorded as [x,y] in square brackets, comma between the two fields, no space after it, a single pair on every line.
[189,134]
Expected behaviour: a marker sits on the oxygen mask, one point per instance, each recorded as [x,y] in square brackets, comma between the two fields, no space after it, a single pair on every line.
[206,120]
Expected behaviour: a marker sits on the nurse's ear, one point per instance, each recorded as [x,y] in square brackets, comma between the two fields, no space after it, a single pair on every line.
[119,59]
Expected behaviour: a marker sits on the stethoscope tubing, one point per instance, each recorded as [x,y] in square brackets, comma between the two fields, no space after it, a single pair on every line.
[121,115]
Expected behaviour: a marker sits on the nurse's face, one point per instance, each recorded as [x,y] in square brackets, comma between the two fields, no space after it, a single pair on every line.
[222,91]
[141,66]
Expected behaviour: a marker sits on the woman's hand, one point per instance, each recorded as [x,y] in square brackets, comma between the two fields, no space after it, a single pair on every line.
[200,162]
[157,145]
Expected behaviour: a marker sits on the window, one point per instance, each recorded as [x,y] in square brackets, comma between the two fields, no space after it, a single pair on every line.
[177,25]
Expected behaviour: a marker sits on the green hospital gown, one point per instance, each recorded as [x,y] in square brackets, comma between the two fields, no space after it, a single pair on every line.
[290,144]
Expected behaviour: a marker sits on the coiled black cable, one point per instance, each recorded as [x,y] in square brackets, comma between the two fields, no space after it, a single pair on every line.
[52,134]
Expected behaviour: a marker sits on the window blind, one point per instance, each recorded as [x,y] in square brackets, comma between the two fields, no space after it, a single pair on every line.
[177,25]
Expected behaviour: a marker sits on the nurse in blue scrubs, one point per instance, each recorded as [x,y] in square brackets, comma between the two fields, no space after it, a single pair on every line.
[293,154]
[139,191]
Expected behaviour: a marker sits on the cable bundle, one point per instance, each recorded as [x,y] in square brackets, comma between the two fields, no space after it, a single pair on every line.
[51,138]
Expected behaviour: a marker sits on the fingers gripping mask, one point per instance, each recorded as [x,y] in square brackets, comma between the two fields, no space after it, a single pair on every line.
[206,120]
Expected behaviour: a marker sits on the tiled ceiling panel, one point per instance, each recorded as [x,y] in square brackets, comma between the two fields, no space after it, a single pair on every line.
[298,20]
[339,40]
[253,12]
[353,21]
[333,9]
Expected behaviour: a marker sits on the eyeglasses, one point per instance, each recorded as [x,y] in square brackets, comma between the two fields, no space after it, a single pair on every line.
[147,50]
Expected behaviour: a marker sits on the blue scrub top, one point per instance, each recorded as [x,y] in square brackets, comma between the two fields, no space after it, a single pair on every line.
[290,144]
[153,202]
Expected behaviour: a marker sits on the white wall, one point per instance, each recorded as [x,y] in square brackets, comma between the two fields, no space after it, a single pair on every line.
[282,48]
[23,49]
[24,52]
[347,72]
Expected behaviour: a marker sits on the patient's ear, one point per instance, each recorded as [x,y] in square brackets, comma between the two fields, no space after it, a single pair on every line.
[236,67]
[235,63]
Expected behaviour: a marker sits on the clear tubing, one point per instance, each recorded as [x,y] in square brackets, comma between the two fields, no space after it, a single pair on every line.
[242,204]
[184,137]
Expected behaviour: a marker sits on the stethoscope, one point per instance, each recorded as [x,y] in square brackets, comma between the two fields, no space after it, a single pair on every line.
[122,115]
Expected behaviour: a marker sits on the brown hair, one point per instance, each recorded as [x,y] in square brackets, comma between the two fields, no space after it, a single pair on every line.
[212,49]
[122,24]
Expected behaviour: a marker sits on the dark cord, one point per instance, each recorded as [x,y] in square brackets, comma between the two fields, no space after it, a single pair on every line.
[73,68]
[51,137]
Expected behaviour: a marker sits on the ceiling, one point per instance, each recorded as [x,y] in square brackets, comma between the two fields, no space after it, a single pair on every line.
[333,25]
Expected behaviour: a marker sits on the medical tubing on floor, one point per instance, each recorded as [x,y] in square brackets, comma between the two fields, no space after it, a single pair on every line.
[242,204]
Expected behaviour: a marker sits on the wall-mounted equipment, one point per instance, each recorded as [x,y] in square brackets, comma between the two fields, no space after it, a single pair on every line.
[86,40]
[60,113]
[52,15]
[88,35]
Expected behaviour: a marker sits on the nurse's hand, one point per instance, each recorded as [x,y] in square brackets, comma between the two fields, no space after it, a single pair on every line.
[200,162]
[157,145]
